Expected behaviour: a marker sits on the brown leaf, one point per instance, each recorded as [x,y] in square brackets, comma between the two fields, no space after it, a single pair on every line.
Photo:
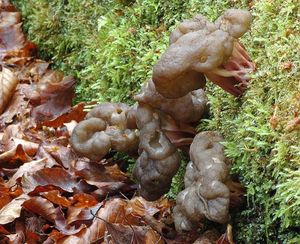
[55,197]
[95,172]
[17,108]
[57,177]
[13,157]
[118,233]
[5,197]
[82,200]
[12,210]
[12,39]
[114,211]
[77,114]
[32,166]
[55,100]
[8,84]
[63,155]
[9,18]
[3,230]
[82,213]
[208,237]
[46,209]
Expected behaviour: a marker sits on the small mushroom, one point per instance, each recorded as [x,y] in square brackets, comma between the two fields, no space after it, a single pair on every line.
[105,128]
[205,195]
[158,161]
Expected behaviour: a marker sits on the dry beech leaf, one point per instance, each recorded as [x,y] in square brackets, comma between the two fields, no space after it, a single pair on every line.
[76,114]
[3,230]
[12,210]
[32,166]
[46,209]
[57,177]
[81,213]
[118,233]
[8,84]
[55,100]
[10,157]
[95,172]
[118,211]
[55,197]
[9,18]
[42,153]
[114,211]
[83,200]
[63,155]
[18,107]
[12,39]
[5,197]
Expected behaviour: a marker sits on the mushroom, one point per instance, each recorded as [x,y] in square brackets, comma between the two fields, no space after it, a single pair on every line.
[199,47]
[187,109]
[206,194]
[159,160]
[105,128]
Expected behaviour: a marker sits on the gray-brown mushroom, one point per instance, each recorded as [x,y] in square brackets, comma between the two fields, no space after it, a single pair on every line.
[159,160]
[206,194]
[106,127]
[199,47]
[187,109]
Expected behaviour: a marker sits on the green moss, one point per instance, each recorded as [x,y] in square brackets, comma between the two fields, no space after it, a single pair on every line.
[111,46]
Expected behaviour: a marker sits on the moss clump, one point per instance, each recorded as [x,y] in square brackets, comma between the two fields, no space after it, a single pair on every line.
[111,46]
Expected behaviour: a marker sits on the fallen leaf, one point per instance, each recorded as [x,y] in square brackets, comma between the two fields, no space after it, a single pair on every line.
[96,172]
[12,210]
[56,99]
[57,177]
[55,197]
[76,113]
[12,39]
[63,155]
[13,157]
[83,200]
[208,237]
[3,230]
[46,209]
[9,18]
[82,213]
[8,84]
[32,166]
[17,108]
[118,233]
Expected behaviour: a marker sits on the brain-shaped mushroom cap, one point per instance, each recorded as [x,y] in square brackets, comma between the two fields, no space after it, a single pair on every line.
[105,128]
[187,109]
[158,160]
[205,194]
[199,48]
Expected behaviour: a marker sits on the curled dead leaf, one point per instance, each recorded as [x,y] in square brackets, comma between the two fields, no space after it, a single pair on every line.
[46,209]
[12,210]
[8,84]
[56,177]
[55,197]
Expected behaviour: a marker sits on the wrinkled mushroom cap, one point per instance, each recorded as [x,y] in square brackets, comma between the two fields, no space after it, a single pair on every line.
[234,21]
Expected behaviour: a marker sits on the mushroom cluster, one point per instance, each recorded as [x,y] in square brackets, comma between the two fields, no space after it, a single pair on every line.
[166,112]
